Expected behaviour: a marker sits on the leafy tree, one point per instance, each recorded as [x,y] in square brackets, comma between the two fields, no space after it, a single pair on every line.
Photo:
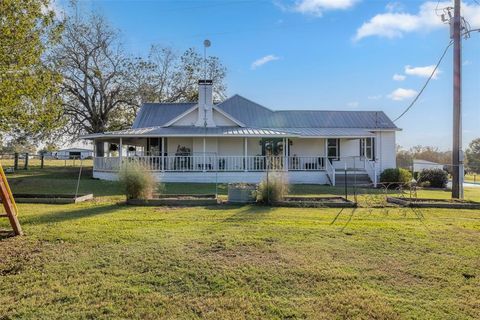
[165,76]
[473,156]
[405,157]
[29,100]
[20,144]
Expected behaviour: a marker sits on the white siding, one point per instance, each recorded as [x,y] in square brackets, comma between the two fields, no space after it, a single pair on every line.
[420,166]
[188,120]
[349,148]
[222,121]
[173,143]
[298,177]
[210,145]
[253,146]
[307,147]
[231,146]
[386,149]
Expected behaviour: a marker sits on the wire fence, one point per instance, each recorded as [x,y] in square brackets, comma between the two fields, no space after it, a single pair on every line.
[25,161]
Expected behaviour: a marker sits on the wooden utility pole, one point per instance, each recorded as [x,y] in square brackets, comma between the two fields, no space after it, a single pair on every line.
[457,153]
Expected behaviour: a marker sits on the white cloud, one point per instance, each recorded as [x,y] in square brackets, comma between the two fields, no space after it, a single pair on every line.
[394,7]
[376,97]
[466,63]
[317,7]
[353,104]
[402,94]
[263,60]
[424,72]
[394,24]
[399,77]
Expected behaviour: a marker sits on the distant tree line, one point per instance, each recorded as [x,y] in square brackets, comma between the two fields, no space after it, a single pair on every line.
[405,157]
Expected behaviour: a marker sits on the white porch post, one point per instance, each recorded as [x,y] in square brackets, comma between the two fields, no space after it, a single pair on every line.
[120,150]
[204,155]
[325,151]
[365,153]
[245,154]
[285,154]
[163,154]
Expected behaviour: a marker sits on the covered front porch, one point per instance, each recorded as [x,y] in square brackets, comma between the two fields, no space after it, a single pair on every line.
[237,159]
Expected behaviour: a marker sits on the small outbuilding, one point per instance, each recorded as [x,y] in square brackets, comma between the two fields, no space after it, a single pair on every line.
[73,153]
[420,165]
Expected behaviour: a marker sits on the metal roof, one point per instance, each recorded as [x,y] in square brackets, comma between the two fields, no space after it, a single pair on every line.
[235,132]
[254,115]
[158,114]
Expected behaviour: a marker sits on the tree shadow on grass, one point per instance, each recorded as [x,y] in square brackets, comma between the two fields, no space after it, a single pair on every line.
[250,213]
[67,215]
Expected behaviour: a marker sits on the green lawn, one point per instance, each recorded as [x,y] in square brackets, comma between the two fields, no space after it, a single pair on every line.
[103,260]
[472,178]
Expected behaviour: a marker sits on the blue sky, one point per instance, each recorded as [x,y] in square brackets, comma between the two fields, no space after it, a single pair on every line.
[321,54]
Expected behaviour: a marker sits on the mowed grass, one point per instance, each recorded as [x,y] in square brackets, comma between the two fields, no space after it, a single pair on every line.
[104,260]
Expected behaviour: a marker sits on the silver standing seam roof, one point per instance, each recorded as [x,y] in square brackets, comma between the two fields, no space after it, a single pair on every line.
[236,132]
[258,120]
[158,114]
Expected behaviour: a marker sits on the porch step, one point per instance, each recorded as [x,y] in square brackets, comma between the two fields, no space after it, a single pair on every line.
[352,179]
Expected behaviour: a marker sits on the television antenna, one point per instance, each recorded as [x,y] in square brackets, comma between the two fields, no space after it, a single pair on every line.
[206,44]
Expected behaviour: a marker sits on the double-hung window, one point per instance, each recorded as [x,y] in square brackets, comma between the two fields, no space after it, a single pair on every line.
[367,148]
[333,149]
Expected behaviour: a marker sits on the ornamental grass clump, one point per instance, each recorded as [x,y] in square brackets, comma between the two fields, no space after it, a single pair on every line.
[136,181]
[272,188]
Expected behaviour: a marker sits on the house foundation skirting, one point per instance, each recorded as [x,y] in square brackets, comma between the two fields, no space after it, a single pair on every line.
[294,177]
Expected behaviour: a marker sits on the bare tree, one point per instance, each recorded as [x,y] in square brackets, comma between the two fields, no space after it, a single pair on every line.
[103,87]
[93,66]
[165,76]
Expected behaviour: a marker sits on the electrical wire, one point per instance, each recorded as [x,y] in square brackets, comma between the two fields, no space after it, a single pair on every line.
[426,83]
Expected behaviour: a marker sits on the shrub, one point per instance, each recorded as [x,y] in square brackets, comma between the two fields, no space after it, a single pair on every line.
[136,181]
[272,188]
[437,178]
[395,177]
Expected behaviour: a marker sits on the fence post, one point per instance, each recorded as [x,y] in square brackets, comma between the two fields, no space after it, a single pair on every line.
[15,161]
[26,161]
[42,160]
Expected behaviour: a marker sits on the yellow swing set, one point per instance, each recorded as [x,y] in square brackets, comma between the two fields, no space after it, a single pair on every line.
[9,204]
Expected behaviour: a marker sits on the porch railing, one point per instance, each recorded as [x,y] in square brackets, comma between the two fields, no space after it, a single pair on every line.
[212,162]
[330,169]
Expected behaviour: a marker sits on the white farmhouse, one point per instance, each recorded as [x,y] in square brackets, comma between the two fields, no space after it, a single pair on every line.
[237,140]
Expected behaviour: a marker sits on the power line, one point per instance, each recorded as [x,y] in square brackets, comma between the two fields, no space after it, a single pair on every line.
[426,83]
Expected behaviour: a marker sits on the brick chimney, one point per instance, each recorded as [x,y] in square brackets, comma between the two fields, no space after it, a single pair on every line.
[205,104]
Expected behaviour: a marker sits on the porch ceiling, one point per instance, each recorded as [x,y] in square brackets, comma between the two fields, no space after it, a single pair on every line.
[235,132]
